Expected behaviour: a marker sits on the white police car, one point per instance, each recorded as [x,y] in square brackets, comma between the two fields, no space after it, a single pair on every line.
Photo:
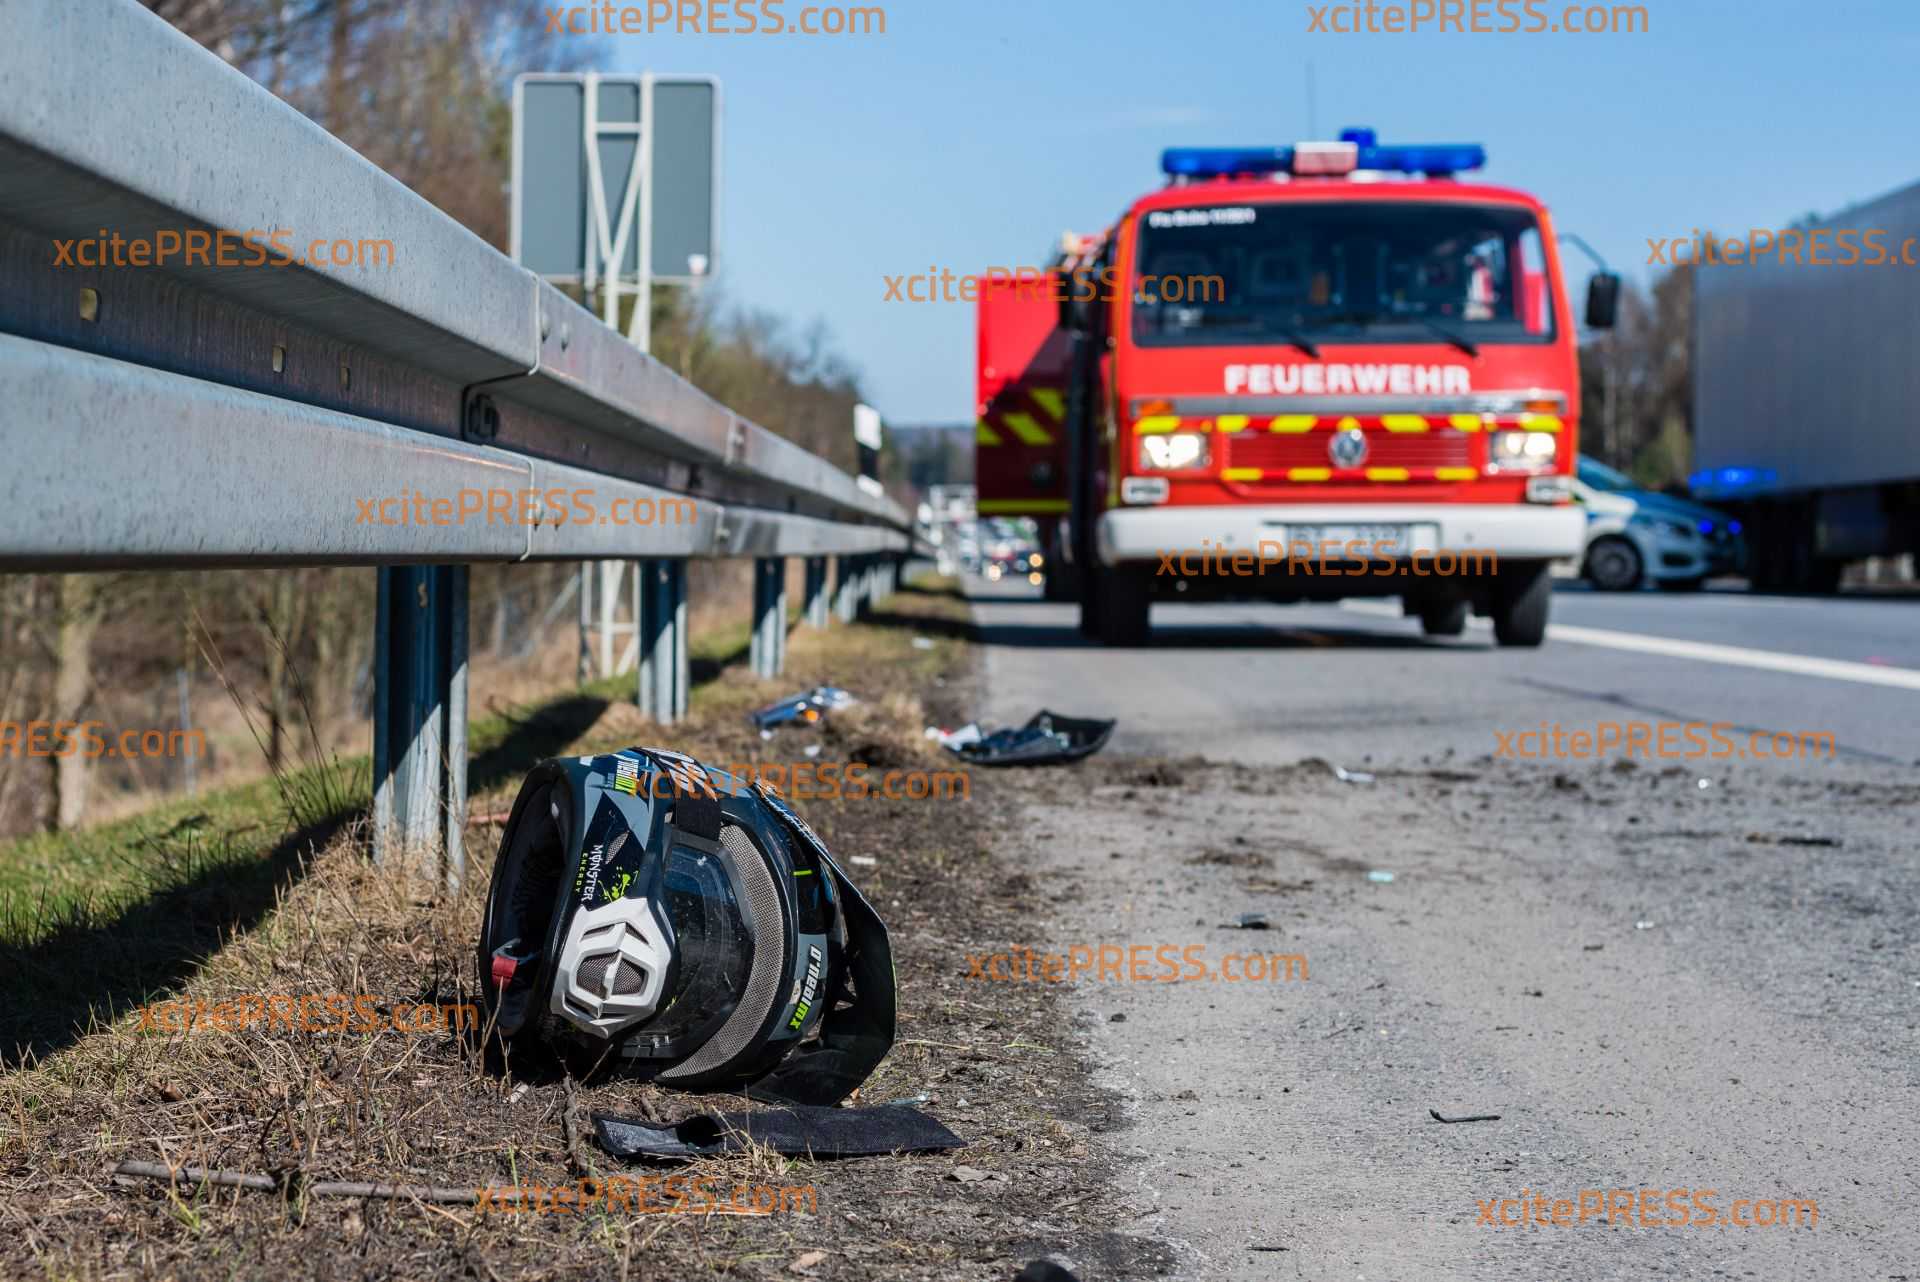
[1636,536]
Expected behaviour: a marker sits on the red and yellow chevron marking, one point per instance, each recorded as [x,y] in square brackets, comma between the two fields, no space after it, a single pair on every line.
[1402,424]
[1023,414]
[1400,457]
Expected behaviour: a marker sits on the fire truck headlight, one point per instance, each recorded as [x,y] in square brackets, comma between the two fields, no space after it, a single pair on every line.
[1522,451]
[1173,452]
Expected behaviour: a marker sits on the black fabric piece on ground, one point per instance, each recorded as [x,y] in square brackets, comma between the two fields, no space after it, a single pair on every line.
[1048,739]
[1044,1271]
[791,1132]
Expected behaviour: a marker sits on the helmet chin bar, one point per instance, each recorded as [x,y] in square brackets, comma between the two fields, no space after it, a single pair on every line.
[622,934]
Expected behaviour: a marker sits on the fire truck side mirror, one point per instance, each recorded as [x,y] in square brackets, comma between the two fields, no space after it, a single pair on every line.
[1603,300]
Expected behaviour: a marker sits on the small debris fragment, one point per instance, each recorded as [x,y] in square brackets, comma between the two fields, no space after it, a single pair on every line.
[806,1261]
[1116,1019]
[966,1174]
[1250,921]
[1379,876]
[922,643]
[863,861]
[1044,1271]
[1476,1117]
[1643,925]
[1350,776]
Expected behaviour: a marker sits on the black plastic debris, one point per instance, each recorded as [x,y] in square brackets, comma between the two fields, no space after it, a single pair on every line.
[792,1132]
[1044,1271]
[1475,1117]
[806,708]
[1048,739]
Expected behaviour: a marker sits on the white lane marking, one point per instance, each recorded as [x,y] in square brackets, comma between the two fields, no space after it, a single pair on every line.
[1731,655]
[1740,657]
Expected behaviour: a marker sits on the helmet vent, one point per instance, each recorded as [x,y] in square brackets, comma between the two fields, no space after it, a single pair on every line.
[627,979]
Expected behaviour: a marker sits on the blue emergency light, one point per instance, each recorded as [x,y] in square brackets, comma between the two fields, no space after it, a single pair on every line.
[1357,149]
[1733,478]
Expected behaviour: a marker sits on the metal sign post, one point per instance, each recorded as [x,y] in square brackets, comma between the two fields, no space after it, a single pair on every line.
[616,184]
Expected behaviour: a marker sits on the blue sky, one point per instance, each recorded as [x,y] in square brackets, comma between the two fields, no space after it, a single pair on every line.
[974,132]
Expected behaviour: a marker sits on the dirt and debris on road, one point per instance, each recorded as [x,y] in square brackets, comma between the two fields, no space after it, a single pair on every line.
[1626,981]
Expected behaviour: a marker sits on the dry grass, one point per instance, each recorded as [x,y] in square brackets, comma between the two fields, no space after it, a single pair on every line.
[993,1061]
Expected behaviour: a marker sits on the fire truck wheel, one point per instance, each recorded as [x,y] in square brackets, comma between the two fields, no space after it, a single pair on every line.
[1522,601]
[1125,599]
[1444,618]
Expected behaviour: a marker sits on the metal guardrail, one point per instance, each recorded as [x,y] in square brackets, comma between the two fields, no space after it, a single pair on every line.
[200,414]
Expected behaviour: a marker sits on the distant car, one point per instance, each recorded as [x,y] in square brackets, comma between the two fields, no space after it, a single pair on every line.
[1636,536]
[1015,561]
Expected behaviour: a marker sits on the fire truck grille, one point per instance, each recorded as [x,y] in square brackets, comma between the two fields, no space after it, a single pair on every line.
[1277,452]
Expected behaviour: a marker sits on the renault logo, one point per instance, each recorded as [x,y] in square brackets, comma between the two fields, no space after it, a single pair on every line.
[1348,448]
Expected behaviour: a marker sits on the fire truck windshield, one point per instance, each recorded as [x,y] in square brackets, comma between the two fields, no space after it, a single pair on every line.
[1340,272]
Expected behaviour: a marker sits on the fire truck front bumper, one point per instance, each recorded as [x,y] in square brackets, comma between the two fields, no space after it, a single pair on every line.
[1386,531]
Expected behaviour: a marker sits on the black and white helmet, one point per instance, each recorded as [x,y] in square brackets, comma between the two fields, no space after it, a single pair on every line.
[650,913]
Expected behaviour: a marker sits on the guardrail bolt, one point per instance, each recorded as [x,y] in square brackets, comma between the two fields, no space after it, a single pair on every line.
[483,419]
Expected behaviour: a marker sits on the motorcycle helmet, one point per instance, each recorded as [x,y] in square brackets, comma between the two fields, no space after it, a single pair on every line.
[680,923]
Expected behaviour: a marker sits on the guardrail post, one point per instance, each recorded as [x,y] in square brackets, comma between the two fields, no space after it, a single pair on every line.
[768,651]
[583,665]
[815,611]
[664,674]
[846,587]
[420,712]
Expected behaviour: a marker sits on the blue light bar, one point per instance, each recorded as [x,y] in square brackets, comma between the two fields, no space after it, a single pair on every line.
[1436,159]
[1219,162]
[1433,159]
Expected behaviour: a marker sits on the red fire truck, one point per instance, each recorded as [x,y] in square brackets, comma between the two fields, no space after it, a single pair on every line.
[1300,373]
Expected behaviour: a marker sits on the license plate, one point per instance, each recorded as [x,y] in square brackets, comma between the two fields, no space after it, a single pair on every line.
[1374,540]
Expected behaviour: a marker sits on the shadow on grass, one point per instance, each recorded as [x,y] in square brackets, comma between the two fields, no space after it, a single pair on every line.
[925,624]
[703,668]
[533,739]
[93,966]
[932,587]
[553,727]
[198,887]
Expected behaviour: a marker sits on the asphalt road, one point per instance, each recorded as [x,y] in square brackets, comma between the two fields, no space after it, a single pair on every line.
[1668,975]
[1356,682]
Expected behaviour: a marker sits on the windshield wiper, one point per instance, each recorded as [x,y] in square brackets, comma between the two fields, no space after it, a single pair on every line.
[1466,345]
[1262,322]
[1364,319]
[1298,340]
